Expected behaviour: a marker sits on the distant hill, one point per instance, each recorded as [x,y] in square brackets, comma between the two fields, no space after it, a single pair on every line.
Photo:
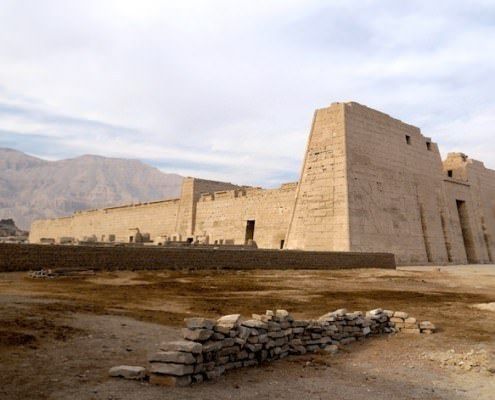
[8,228]
[32,188]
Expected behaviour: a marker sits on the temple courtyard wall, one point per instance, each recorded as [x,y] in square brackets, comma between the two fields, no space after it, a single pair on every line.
[368,183]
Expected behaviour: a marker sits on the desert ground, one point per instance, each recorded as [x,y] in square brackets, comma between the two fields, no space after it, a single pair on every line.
[59,337]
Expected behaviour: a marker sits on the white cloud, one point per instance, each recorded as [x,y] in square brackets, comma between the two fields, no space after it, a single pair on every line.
[226,89]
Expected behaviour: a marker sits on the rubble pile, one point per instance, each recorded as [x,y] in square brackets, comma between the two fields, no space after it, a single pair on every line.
[41,274]
[60,273]
[404,323]
[211,347]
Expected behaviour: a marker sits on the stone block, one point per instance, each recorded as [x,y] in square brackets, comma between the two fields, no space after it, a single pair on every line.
[199,323]
[282,314]
[224,330]
[252,347]
[128,372]
[177,357]
[182,345]
[427,325]
[244,332]
[199,368]
[255,323]
[199,335]
[264,318]
[228,321]
[411,330]
[276,334]
[218,336]
[253,339]
[229,350]
[171,369]
[212,346]
[263,338]
[228,342]
[215,373]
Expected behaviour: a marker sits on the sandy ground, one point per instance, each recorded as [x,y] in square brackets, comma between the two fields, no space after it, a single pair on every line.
[59,337]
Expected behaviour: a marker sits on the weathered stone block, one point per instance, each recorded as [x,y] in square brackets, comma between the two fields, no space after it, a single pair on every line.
[199,323]
[215,373]
[128,372]
[212,346]
[254,323]
[199,335]
[224,330]
[427,325]
[411,330]
[182,345]
[177,357]
[171,369]
[229,321]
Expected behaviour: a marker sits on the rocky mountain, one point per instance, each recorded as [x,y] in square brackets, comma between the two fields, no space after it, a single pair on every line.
[8,228]
[32,188]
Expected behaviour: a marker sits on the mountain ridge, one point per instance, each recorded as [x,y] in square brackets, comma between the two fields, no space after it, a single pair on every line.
[32,188]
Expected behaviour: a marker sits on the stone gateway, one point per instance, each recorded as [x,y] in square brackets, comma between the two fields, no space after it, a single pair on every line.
[369,183]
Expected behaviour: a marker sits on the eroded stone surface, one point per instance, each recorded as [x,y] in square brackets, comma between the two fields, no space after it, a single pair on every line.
[128,372]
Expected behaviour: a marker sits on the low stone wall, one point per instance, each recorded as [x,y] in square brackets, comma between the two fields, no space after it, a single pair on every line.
[211,347]
[27,257]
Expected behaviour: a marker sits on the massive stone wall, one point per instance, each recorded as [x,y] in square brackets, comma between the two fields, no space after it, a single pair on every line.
[155,218]
[192,188]
[223,216]
[470,209]
[25,257]
[395,191]
[368,183]
[320,220]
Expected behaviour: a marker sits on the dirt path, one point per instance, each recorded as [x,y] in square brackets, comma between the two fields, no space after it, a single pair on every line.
[58,338]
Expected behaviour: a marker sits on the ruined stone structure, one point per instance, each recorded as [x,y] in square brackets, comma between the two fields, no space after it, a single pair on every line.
[369,183]
[212,347]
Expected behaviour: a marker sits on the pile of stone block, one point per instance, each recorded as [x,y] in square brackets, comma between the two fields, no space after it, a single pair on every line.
[402,322]
[211,347]
[41,274]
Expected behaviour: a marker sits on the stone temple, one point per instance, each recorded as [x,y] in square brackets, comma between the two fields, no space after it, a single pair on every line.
[368,183]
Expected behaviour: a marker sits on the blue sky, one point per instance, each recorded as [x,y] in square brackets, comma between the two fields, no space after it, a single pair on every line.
[226,89]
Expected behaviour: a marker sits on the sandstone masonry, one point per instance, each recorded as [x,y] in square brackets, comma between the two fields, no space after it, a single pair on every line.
[212,347]
[369,183]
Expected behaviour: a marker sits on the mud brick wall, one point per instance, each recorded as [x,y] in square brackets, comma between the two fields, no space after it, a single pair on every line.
[15,257]
[211,347]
